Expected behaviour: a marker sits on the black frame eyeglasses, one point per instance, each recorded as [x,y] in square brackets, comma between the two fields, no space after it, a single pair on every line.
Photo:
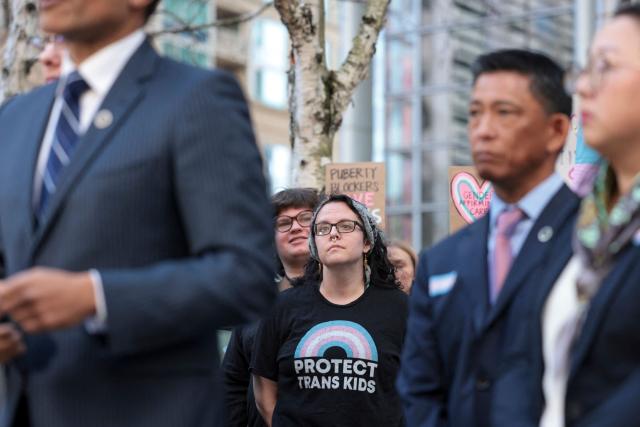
[285,222]
[344,226]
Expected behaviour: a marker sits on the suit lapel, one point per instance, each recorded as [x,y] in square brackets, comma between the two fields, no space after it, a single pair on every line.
[123,96]
[556,262]
[600,304]
[24,178]
[473,277]
[536,247]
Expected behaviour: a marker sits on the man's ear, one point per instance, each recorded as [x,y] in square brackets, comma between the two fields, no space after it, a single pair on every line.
[559,127]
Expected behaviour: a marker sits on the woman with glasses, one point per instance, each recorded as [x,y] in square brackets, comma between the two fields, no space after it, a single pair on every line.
[293,210]
[329,353]
[590,319]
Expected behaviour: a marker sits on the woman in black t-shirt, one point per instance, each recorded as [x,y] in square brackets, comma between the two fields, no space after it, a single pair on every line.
[329,353]
[293,209]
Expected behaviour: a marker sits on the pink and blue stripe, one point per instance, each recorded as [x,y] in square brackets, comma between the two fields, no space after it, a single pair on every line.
[349,336]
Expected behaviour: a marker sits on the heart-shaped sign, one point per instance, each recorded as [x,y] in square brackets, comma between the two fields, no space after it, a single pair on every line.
[470,199]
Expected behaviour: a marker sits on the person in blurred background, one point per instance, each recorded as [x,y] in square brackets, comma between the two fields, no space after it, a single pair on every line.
[329,353]
[293,210]
[403,258]
[50,59]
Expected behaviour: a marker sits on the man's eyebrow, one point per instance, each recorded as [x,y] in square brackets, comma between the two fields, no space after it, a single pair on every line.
[498,103]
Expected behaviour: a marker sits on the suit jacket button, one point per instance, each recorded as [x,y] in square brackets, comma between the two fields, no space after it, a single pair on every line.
[482,384]
[574,410]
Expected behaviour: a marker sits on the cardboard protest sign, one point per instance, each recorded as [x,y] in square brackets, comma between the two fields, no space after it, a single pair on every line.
[469,196]
[364,182]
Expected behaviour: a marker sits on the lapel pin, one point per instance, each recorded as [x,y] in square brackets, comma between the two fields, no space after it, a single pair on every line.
[545,234]
[103,119]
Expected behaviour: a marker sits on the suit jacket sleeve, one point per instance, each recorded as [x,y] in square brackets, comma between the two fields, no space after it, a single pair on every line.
[420,383]
[220,193]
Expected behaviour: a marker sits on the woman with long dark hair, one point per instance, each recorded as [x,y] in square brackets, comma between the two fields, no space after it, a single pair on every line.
[329,353]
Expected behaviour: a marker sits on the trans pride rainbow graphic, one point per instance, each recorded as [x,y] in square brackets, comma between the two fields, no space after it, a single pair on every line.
[349,336]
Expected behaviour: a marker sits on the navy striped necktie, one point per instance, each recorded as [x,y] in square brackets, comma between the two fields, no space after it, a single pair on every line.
[65,138]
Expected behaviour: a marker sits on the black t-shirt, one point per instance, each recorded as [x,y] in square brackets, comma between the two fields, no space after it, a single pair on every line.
[335,365]
[241,406]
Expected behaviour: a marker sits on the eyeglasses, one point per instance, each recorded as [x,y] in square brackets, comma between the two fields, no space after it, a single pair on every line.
[595,71]
[344,226]
[285,222]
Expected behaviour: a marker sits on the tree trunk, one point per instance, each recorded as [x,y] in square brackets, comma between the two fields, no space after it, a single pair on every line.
[21,43]
[318,96]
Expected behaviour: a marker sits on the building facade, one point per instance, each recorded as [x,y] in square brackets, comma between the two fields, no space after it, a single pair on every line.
[255,50]
[425,86]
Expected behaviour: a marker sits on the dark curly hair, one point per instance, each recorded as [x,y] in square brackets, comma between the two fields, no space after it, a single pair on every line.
[382,271]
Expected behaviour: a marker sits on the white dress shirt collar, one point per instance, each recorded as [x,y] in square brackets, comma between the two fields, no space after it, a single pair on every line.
[101,69]
[533,203]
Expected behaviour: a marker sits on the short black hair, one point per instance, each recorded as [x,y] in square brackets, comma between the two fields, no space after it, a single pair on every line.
[150,9]
[631,10]
[294,198]
[546,76]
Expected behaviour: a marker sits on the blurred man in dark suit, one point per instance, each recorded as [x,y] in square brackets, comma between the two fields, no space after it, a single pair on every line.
[134,222]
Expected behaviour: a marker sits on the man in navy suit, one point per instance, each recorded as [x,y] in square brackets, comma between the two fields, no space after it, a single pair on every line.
[472,290]
[134,222]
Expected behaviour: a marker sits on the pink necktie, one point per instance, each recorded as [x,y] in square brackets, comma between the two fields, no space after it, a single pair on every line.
[502,255]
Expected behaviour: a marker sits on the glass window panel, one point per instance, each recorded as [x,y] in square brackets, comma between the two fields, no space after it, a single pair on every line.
[399,227]
[429,59]
[271,88]
[278,160]
[435,176]
[398,179]
[399,124]
[399,66]
[435,227]
[186,54]
[400,15]
[193,13]
[270,44]
[436,118]
[269,63]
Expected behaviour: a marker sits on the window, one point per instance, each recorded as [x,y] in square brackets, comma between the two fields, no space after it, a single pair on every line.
[278,160]
[191,46]
[270,48]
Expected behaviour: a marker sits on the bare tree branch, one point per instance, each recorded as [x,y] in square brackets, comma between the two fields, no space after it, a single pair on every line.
[292,16]
[356,66]
[218,23]
[174,16]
